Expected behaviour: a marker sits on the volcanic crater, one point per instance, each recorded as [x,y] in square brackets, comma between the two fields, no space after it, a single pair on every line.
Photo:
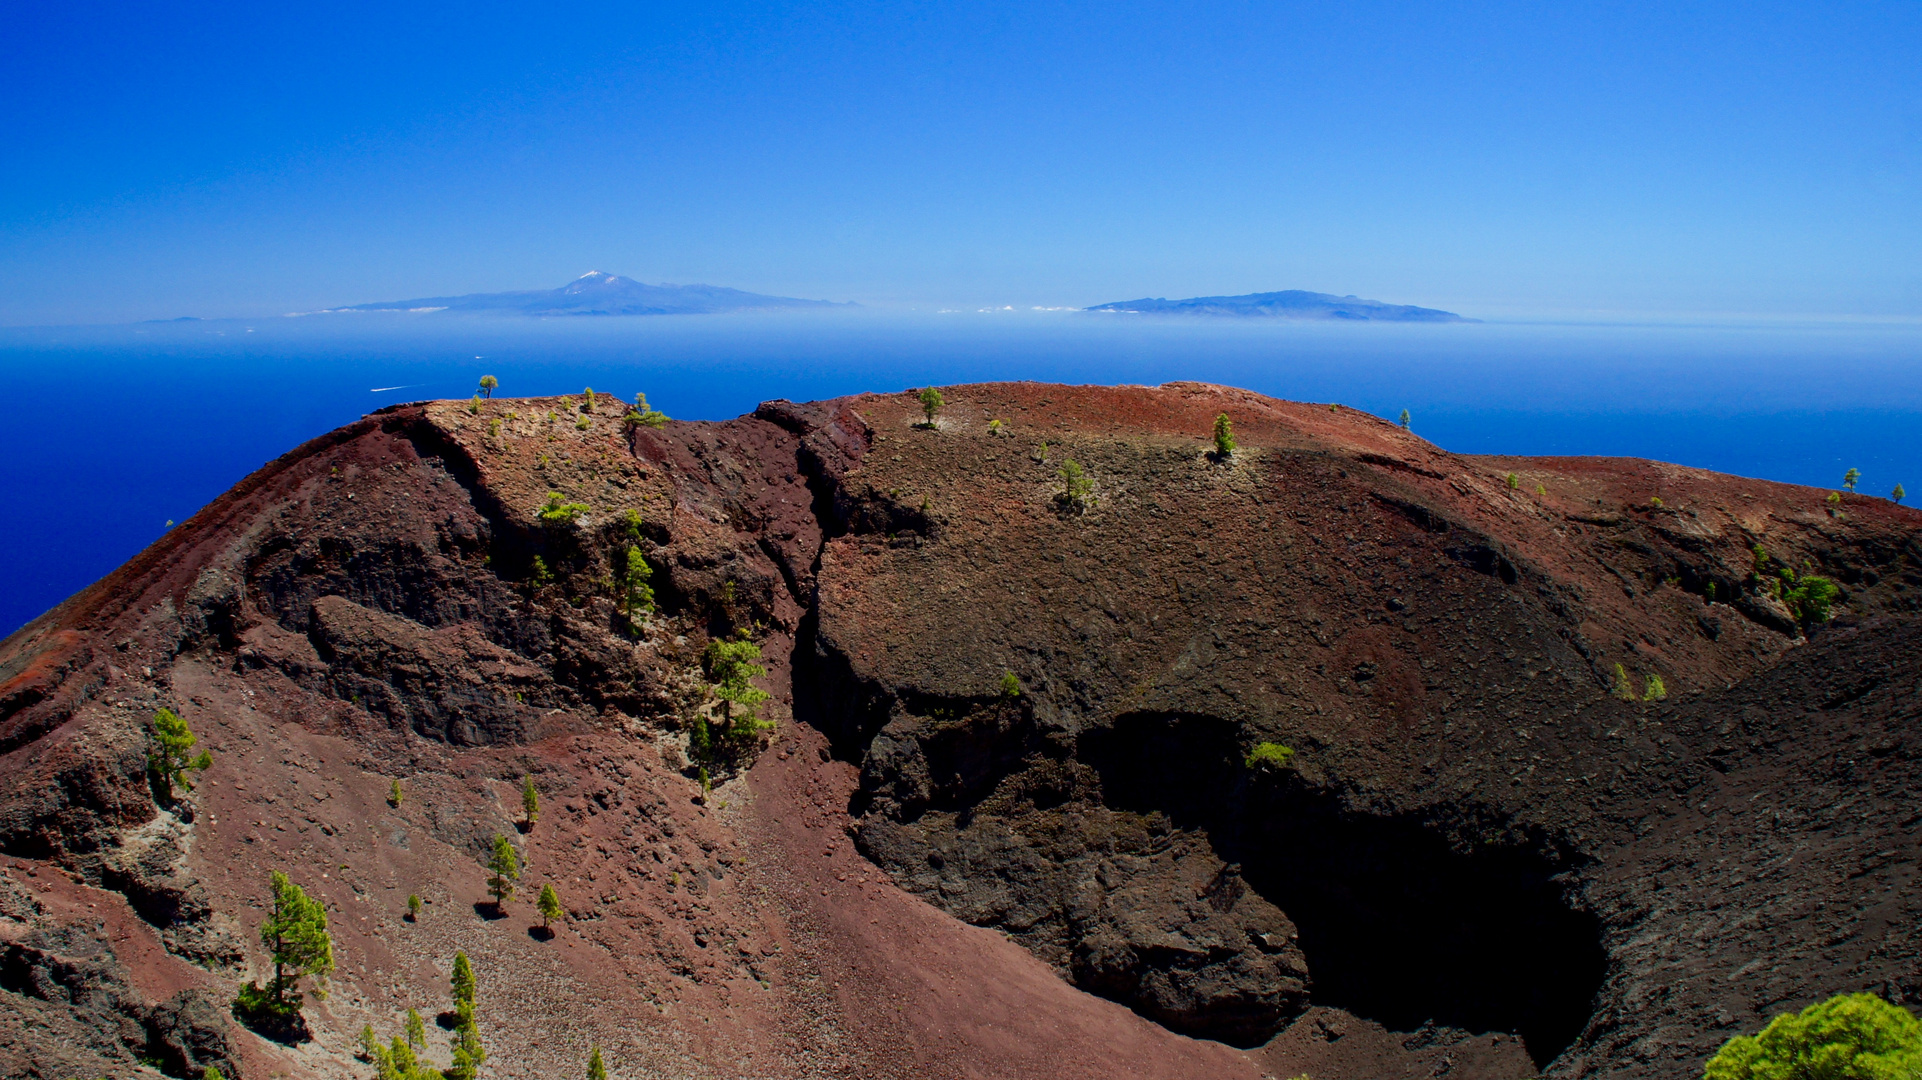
[1575,782]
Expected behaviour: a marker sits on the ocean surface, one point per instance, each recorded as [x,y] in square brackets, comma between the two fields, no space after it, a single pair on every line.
[111,433]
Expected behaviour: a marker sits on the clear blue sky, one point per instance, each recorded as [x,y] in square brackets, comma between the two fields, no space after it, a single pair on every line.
[248,159]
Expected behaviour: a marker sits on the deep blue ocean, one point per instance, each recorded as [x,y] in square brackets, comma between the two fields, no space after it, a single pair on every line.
[110,433]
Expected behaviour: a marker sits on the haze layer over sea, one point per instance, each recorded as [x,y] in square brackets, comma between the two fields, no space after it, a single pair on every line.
[112,432]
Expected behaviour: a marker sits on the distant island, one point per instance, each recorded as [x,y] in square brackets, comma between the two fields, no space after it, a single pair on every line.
[597,293]
[1289,304]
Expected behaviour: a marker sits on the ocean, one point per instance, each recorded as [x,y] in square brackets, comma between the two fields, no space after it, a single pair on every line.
[113,432]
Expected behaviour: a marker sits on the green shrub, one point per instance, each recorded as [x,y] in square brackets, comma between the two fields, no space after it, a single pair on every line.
[539,574]
[172,756]
[416,1030]
[1010,686]
[1270,754]
[1224,436]
[413,905]
[589,393]
[1835,498]
[1654,689]
[730,667]
[1513,481]
[1656,502]
[557,513]
[1404,420]
[583,424]
[394,793]
[1624,688]
[1809,597]
[636,594]
[530,800]
[369,1045]
[474,406]
[995,427]
[1077,488]
[643,416]
[549,904]
[596,1069]
[1898,494]
[1848,1037]
[931,402]
[487,385]
[1850,478]
[463,984]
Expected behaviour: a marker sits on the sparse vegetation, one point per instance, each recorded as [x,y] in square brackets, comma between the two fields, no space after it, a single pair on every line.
[931,402]
[1270,755]
[295,934]
[1513,481]
[370,1047]
[415,1029]
[1850,478]
[1835,499]
[1404,420]
[538,574]
[589,394]
[996,427]
[1848,1037]
[1224,437]
[1898,494]
[549,904]
[172,756]
[583,424]
[1540,490]
[596,1069]
[394,793]
[1656,502]
[504,867]
[1010,686]
[558,513]
[1654,689]
[530,800]
[473,407]
[487,385]
[1077,488]
[493,428]
[413,905]
[1808,597]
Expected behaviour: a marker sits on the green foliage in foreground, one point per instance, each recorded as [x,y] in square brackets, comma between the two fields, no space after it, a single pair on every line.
[172,757]
[1224,436]
[295,933]
[1270,754]
[1849,1037]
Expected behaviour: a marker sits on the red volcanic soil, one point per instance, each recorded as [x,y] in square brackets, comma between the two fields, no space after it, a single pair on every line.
[1579,785]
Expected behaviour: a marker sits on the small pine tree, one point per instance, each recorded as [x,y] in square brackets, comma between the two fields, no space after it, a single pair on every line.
[1849,478]
[596,1069]
[416,1030]
[1898,494]
[487,385]
[549,904]
[1540,490]
[1010,686]
[1404,419]
[369,1044]
[413,905]
[583,424]
[540,575]
[636,594]
[700,741]
[1835,498]
[530,800]
[1077,488]
[468,1054]
[1224,436]
[394,794]
[463,981]
[731,668]
[1624,689]
[295,934]
[643,416]
[1654,689]
[558,513]
[931,402]
[505,866]
[589,393]
[1513,481]
[1845,1037]
[402,1059]
[212,1073]
[172,757]
[995,426]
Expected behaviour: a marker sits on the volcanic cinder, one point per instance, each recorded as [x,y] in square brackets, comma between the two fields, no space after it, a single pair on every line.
[1573,791]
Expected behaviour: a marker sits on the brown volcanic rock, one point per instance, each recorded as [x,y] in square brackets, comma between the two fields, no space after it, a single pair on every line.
[1478,863]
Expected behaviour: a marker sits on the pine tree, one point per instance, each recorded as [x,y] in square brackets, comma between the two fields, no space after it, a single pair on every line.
[413,905]
[468,1053]
[172,757]
[1224,436]
[487,385]
[295,932]
[416,1030]
[1849,478]
[505,864]
[931,402]
[549,904]
[1404,419]
[596,1070]
[1898,494]
[212,1073]
[369,1045]
[464,984]
[530,800]
[731,668]
[402,1059]
[394,794]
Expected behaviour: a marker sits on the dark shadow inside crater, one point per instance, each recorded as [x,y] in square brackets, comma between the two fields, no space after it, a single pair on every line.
[1398,924]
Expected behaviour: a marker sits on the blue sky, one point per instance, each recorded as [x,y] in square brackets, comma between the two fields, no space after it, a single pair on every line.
[1500,159]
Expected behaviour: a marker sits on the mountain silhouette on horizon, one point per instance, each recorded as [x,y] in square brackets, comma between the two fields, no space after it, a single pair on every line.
[1289,304]
[597,293]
